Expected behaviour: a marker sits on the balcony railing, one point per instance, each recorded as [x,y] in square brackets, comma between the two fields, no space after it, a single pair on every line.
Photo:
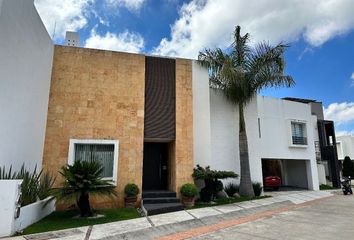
[299,140]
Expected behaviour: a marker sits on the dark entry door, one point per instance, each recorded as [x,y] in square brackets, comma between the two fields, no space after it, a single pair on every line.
[155,166]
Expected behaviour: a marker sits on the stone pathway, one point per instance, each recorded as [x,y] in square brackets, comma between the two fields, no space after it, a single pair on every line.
[169,223]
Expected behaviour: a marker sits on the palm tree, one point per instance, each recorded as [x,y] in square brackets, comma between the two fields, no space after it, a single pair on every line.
[82,179]
[241,73]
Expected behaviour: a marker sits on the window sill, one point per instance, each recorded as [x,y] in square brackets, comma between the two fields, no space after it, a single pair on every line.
[110,180]
[298,146]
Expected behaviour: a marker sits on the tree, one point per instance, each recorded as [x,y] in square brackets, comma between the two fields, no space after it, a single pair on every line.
[348,167]
[211,180]
[241,72]
[82,179]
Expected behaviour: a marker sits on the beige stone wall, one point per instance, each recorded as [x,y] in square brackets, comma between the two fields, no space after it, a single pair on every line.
[182,158]
[97,94]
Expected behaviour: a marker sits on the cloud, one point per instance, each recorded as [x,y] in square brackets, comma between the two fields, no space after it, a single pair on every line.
[208,23]
[63,15]
[352,78]
[344,133]
[131,5]
[340,113]
[125,41]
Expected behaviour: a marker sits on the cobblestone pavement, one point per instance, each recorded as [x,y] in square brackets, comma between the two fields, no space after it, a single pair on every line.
[331,218]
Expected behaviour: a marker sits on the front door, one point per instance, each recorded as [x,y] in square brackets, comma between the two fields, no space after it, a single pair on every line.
[155,166]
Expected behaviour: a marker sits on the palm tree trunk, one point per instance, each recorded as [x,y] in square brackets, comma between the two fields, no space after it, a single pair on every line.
[84,205]
[246,188]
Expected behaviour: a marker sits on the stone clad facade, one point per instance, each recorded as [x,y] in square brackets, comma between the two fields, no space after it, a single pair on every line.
[99,94]
[184,123]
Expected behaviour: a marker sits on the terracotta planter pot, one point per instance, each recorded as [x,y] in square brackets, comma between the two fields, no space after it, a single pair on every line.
[130,202]
[188,202]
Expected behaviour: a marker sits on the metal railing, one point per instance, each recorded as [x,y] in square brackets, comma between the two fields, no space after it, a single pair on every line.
[299,140]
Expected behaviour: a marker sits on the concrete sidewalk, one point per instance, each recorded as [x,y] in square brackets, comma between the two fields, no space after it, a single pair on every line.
[165,224]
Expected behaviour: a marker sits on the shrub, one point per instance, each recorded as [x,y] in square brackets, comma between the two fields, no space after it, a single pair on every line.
[46,186]
[231,189]
[348,167]
[212,184]
[206,194]
[206,173]
[189,190]
[325,187]
[82,179]
[7,174]
[257,188]
[131,190]
[34,185]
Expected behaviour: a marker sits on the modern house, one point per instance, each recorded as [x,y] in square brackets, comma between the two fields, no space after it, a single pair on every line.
[148,119]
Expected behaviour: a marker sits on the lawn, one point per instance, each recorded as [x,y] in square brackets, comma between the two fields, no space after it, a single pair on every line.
[223,201]
[326,187]
[64,219]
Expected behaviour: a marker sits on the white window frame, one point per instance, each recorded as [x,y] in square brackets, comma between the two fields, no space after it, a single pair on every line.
[291,144]
[71,154]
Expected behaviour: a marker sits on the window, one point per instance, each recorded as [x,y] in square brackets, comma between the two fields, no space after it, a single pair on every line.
[103,151]
[298,133]
[259,128]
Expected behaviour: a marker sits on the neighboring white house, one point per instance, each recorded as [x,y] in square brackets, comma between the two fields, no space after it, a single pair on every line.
[26,53]
[279,131]
[345,147]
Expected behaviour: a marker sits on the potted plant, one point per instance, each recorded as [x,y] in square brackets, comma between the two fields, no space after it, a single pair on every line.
[131,191]
[188,191]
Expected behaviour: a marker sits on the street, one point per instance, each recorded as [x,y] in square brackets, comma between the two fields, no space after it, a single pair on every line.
[331,218]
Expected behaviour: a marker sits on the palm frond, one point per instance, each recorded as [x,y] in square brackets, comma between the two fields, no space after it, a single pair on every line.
[244,72]
[83,177]
[240,47]
[266,67]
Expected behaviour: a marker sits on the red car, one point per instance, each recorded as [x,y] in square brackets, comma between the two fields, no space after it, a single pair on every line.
[272,182]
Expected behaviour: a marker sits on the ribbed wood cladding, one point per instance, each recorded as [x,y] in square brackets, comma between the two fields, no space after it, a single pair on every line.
[160,99]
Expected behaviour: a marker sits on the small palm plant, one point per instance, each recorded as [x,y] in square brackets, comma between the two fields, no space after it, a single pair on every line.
[82,179]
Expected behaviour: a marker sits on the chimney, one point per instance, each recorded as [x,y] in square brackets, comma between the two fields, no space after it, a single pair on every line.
[72,39]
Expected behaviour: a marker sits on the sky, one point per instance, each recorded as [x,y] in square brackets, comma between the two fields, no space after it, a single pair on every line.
[320,34]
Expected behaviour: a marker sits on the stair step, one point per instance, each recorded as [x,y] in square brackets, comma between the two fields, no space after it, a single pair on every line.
[153,209]
[159,194]
[161,200]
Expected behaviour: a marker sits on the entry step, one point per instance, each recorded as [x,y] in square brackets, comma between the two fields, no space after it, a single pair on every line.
[156,202]
[158,194]
[161,200]
[158,208]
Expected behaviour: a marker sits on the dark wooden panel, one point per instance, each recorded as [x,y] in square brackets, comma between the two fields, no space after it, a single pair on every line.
[160,99]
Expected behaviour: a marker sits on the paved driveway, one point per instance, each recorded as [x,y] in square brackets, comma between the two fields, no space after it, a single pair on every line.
[328,219]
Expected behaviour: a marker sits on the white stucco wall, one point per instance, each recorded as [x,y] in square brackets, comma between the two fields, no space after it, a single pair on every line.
[273,142]
[8,206]
[26,53]
[276,116]
[224,135]
[34,212]
[345,147]
[201,116]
